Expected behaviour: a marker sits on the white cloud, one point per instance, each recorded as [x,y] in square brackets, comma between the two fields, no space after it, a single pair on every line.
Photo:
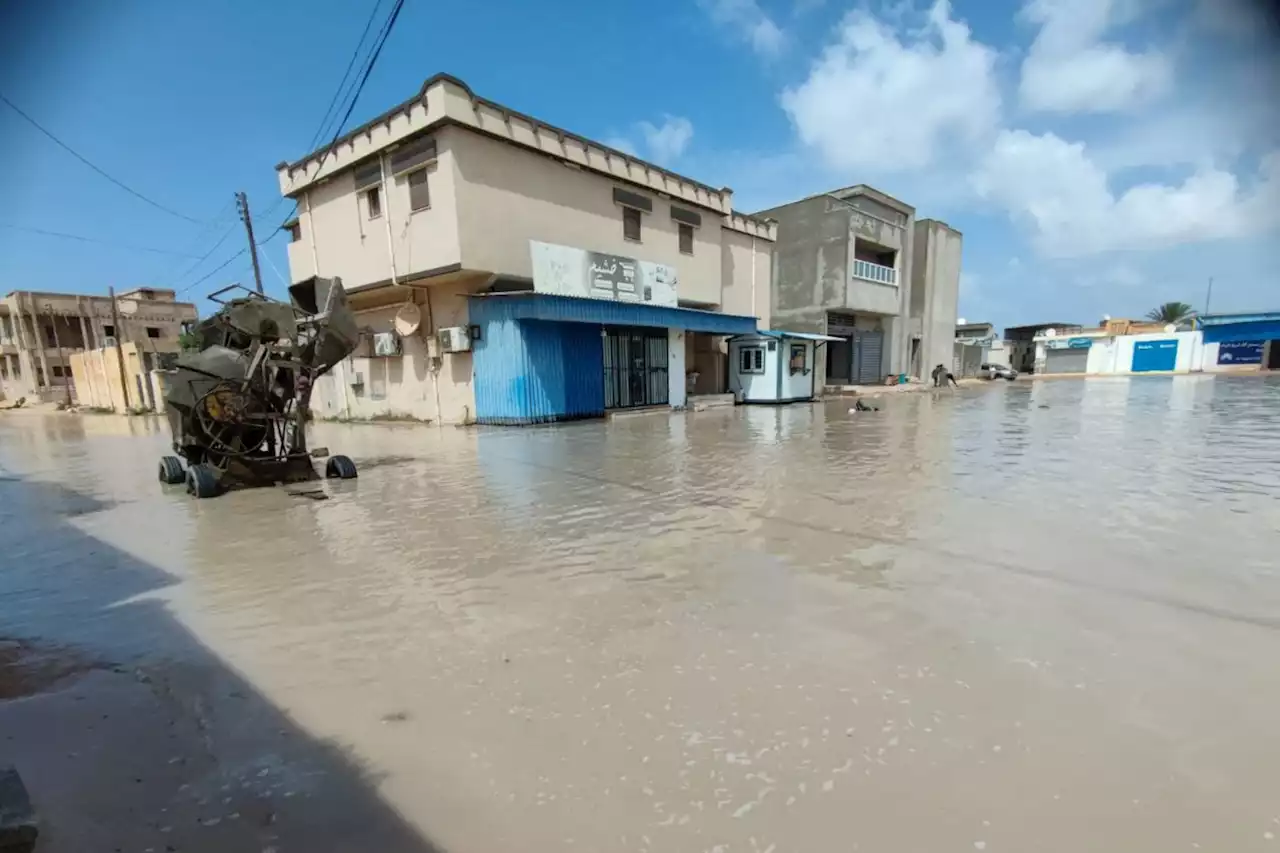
[1071,69]
[880,99]
[749,22]
[1053,187]
[667,142]
[621,143]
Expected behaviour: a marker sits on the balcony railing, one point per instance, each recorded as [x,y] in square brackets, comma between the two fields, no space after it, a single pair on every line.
[874,272]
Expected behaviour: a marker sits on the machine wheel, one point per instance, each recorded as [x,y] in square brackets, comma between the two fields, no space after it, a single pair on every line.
[202,481]
[171,470]
[340,467]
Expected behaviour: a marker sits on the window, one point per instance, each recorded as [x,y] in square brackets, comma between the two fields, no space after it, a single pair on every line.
[686,238]
[798,352]
[419,190]
[56,370]
[153,332]
[751,360]
[631,224]
[108,330]
[50,339]
[373,198]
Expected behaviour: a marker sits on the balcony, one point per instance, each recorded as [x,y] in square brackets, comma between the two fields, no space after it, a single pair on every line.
[868,271]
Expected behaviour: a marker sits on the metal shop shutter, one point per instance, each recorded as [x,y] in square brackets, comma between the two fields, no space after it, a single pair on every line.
[869,348]
[1066,361]
[1151,356]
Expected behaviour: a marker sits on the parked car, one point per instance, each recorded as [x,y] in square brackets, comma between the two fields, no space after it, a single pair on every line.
[998,371]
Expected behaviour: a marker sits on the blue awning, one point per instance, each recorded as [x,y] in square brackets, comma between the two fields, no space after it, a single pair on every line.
[782,333]
[1264,330]
[605,312]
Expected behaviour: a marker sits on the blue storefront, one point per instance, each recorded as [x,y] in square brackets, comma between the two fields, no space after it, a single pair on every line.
[542,358]
[1242,340]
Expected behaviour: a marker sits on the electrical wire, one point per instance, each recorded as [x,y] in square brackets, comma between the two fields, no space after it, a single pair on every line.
[121,184]
[372,60]
[85,239]
[342,84]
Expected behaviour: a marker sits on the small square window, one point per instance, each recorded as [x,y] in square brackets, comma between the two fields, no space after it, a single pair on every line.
[153,332]
[373,198]
[751,360]
[419,190]
[108,330]
[631,224]
[56,369]
[686,238]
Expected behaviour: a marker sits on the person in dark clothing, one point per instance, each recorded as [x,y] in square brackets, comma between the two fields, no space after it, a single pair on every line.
[941,376]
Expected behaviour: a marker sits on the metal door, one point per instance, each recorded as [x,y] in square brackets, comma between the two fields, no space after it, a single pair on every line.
[1066,361]
[635,367]
[867,350]
[1149,356]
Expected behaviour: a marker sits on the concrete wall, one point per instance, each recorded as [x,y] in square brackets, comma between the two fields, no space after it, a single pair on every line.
[411,385]
[676,383]
[813,258]
[98,383]
[1114,355]
[935,289]
[336,229]
[746,272]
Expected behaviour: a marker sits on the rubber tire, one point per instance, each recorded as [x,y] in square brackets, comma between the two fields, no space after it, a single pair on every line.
[171,471]
[202,481]
[340,467]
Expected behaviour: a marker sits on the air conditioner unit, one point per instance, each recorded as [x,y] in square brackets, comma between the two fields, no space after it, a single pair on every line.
[386,344]
[355,380]
[455,339]
[109,341]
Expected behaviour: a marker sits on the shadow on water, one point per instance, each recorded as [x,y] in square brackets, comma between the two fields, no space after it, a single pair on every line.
[129,733]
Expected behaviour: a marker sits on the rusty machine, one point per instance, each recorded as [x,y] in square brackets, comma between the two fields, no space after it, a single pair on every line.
[239,404]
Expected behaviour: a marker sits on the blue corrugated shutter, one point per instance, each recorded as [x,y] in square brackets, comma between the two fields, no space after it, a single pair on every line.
[528,372]
[1150,356]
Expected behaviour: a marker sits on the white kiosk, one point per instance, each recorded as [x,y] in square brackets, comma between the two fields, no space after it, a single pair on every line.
[774,366]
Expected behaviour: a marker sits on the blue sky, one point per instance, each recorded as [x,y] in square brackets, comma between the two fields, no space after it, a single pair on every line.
[1100,156]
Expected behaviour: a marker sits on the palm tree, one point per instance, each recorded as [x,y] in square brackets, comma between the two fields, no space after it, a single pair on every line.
[1171,312]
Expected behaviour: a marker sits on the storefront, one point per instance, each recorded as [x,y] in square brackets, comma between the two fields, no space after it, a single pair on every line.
[1068,355]
[1241,341]
[856,357]
[543,358]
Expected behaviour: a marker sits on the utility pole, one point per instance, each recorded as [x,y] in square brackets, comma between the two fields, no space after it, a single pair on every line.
[115,327]
[62,362]
[242,203]
[1208,295]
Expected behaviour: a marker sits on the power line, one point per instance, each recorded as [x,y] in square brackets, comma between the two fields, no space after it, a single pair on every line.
[342,84]
[95,168]
[210,274]
[189,270]
[84,239]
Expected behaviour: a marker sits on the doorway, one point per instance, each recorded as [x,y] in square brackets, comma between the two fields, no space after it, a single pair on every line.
[635,367]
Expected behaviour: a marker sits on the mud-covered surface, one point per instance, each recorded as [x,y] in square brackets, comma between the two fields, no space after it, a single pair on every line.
[1031,616]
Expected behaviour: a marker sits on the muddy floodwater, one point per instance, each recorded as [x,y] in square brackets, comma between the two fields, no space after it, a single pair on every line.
[1039,616]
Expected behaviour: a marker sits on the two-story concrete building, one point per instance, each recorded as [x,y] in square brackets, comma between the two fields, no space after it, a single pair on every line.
[40,331]
[856,264]
[508,271]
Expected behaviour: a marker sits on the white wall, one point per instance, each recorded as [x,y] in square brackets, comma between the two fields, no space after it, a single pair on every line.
[1102,356]
[753,386]
[675,368]
[1188,344]
[746,270]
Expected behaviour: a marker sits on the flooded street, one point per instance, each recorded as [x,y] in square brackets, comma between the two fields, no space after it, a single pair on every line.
[1040,616]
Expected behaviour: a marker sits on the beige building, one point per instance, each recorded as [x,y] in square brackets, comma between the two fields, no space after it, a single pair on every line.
[449,202]
[39,332]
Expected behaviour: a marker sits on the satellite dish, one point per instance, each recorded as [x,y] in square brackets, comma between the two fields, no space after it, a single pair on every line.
[408,319]
[1169,327]
[1050,333]
[960,321]
[1106,318]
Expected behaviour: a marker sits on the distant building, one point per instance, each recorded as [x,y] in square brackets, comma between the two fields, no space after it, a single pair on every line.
[1241,341]
[973,342]
[40,331]
[1020,343]
[854,263]
[537,275]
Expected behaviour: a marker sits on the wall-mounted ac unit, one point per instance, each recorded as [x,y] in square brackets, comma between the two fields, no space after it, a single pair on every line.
[386,344]
[455,339]
[355,380]
[109,341]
